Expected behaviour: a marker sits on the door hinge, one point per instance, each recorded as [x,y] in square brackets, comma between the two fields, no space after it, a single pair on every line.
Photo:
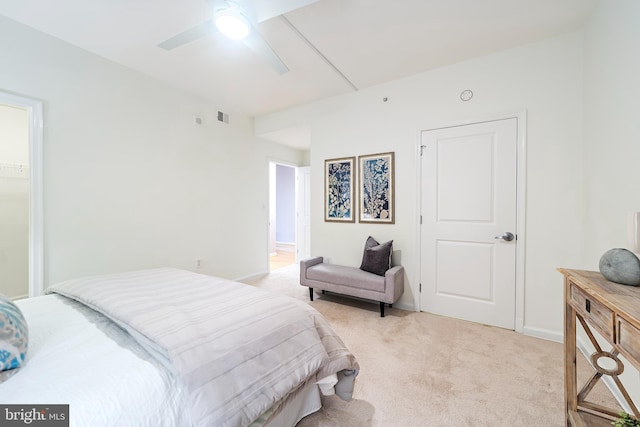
[420,289]
[420,219]
[422,147]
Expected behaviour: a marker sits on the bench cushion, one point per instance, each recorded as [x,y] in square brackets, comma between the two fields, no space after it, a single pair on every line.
[346,276]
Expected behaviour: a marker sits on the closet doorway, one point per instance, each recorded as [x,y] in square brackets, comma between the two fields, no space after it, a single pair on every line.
[21,219]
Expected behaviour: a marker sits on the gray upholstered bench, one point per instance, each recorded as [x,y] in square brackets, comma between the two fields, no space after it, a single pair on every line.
[352,281]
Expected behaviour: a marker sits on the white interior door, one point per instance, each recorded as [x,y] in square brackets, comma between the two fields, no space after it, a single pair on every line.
[468,201]
[303,213]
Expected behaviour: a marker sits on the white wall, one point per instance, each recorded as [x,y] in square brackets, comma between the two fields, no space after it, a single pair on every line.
[130,181]
[285,204]
[611,125]
[611,135]
[544,78]
[14,205]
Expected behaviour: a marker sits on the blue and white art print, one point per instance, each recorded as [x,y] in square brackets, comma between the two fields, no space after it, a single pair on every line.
[376,188]
[339,189]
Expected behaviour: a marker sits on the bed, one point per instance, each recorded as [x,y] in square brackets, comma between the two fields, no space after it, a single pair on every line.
[168,347]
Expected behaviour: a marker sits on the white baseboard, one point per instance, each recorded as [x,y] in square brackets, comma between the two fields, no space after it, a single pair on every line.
[286,246]
[251,277]
[545,334]
[17,297]
[404,306]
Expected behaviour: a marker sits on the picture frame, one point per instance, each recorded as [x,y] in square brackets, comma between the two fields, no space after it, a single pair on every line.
[376,188]
[339,190]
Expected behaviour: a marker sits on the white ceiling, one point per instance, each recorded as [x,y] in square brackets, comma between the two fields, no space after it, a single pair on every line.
[369,41]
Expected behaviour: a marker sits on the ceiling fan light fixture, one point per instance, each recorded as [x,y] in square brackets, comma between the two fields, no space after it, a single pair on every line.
[232,24]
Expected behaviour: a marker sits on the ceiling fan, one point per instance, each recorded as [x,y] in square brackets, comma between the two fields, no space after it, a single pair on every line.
[237,19]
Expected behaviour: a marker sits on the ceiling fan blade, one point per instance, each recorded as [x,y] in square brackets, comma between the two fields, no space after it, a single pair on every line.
[199,31]
[260,47]
[267,9]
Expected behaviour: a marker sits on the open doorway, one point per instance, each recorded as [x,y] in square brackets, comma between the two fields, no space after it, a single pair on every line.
[21,196]
[282,215]
[14,202]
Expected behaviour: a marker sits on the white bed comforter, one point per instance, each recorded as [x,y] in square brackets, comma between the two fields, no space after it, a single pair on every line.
[236,349]
[80,358]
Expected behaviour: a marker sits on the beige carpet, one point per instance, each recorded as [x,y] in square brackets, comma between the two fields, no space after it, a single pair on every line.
[419,369]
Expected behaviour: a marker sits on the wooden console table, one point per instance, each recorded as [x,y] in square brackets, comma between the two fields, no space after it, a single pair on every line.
[614,311]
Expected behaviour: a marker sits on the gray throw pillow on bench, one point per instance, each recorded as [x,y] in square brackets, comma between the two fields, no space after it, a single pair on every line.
[376,258]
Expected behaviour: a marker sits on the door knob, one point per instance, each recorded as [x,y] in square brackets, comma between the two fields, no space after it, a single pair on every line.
[506,236]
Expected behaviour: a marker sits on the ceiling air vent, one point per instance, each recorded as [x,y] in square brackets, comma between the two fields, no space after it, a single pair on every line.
[223,117]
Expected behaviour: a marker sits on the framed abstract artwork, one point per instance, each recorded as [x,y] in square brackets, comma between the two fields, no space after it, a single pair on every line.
[375,190]
[339,189]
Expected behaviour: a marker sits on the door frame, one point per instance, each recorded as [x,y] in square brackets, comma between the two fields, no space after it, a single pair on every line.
[270,202]
[302,193]
[36,188]
[521,187]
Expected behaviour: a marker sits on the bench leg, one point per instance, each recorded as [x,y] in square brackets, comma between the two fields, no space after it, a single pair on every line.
[311,294]
[381,309]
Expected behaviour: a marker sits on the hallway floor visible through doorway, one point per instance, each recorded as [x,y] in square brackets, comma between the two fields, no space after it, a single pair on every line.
[285,255]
